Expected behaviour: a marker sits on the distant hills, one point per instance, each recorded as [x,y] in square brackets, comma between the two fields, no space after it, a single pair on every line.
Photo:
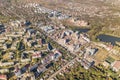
[113,2]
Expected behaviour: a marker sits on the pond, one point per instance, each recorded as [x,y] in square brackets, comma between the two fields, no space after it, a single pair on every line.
[82,30]
[107,38]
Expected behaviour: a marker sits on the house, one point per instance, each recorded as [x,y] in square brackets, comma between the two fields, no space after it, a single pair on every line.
[3,38]
[115,66]
[3,77]
[106,64]
[6,63]
[39,41]
[33,67]
[5,46]
[86,64]
[85,37]
[15,23]
[10,38]
[71,47]
[52,56]
[24,68]
[4,70]
[36,55]
[47,59]
[17,71]
[91,51]
[47,29]
[49,65]
[41,69]
[62,41]
[2,41]
[31,31]
[55,55]
[14,45]
[26,29]
[29,44]
[32,43]
[33,77]
[11,55]
[68,32]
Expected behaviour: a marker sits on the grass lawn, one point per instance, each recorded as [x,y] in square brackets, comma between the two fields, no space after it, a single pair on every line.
[101,55]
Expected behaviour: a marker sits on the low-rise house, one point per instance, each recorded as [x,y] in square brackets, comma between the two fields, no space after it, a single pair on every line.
[68,32]
[5,46]
[32,43]
[3,77]
[40,42]
[17,71]
[24,68]
[25,60]
[29,44]
[13,35]
[4,38]
[33,67]
[85,38]
[14,46]
[47,59]
[6,63]
[57,54]
[2,45]
[4,70]
[70,47]
[31,31]
[1,40]
[36,55]
[26,29]
[91,51]
[62,41]
[10,38]
[33,77]
[107,47]
[106,64]
[41,69]
[11,55]
[15,23]
[115,66]
[47,29]
[86,64]
[37,46]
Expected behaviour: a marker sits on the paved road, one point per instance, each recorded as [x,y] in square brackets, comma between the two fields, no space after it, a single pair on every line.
[61,69]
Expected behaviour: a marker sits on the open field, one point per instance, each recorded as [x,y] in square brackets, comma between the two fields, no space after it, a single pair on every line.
[101,55]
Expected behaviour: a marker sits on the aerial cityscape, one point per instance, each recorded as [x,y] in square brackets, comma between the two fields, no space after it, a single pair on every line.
[59,39]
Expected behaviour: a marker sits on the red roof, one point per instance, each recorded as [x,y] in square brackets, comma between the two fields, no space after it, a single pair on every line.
[3,77]
[37,54]
[116,64]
